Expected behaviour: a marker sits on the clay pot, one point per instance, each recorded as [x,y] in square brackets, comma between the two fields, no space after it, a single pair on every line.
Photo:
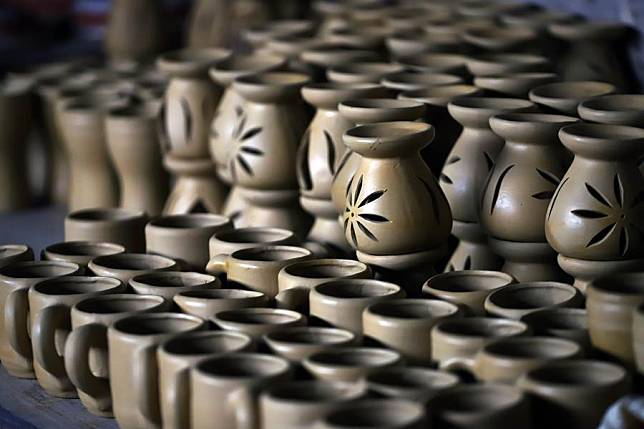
[340,303]
[134,148]
[517,300]
[405,325]
[407,43]
[515,84]
[610,303]
[326,55]
[467,289]
[638,336]
[297,344]
[291,47]
[574,394]
[413,383]
[205,303]
[502,39]
[296,280]
[461,338]
[506,63]
[15,122]
[257,322]
[481,406]
[259,35]
[597,207]
[168,284]
[450,30]
[301,403]
[377,414]
[320,153]
[262,162]
[15,280]
[412,81]
[350,364]
[79,252]
[184,237]
[436,63]
[565,97]
[177,357]
[568,323]
[133,367]
[125,266]
[370,37]
[118,226]
[11,253]
[50,302]
[225,389]
[584,271]
[362,72]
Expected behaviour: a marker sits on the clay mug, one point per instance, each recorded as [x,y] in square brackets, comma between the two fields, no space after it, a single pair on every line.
[462,338]
[10,253]
[225,389]
[50,303]
[296,280]
[506,359]
[119,226]
[480,406]
[376,414]
[610,303]
[467,288]
[257,268]
[299,404]
[257,322]
[573,394]
[125,266]
[350,364]
[297,344]
[177,356]
[15,281]
[405,325]
[184,237]
[414,383]
[133,368]
[205,303]
[340,303]
[170,283]
[79,252]
[638,337]
[517,300]
[86,351]
[568,323]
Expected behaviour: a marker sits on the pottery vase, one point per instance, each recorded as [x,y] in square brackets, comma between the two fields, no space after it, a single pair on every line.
[262,161]
[515,200]
[463,176]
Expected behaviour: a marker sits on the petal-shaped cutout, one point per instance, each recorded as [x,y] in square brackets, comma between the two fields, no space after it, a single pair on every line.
[366,232]
[601,235]
[252,150]
[597,195]
[244,165]
[330,151]
[544,195]
[372,217]
[548,176]
[588,214]
[497,187]
[445,178]
[372,197]
[251,133]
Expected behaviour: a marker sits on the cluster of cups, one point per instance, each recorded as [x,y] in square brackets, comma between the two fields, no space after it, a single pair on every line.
[273,337]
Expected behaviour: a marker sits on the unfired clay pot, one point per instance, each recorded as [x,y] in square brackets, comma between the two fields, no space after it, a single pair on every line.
[562,322]
[168,284]
[79,252]
[412,382]
[350,364]
[437,63]
[377,414]
[362,72]
[514,84]
[297,344]
[118,226]
[564,97]
[257,322]
[506,63]
[125,266]
[517,300]
[412,81]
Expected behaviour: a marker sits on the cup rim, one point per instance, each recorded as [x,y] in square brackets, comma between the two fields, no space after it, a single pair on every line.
[305,391]
[383,310]
[280,234]
[280,366]
[240,316]
[173,279]
[156,301]
[339,285]
[546,375]
[97,284]
[115,262]
[285,336]
[177,345]
[188,221]
[12,271]
[123,326]
[247,254]
[102,215]
[359,267]
[476,322]
[336,358]
[435,283]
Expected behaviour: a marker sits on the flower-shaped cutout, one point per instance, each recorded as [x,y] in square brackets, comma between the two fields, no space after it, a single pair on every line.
[241,135]
[356,214]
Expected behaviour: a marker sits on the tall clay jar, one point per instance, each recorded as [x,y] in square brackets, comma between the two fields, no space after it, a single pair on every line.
[135,150]
[263,157]
[15,121]
[320,153]
[465,171]
[515,200]
[597,211]
[224,121]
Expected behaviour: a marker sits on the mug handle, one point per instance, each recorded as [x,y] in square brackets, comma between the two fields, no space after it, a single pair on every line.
[43,336]
[459,364]
[217,264]
[295,298]
[16,321]
[242,402]
[77,348]
[144,370]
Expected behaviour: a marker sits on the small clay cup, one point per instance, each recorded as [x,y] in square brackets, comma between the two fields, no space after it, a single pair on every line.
[565,97]
[299,404]
[638,337]
[405,325]
[257,322]
[10,253]
[185,237]
[376,414]
[517,300]
[436,63]
[467,289]
[205,303]
[412,81]
[350,364]
[340,303]
[506,63]
[125,266]
[297,344]
[618,109]
[111,225]
[362,72]
[514,84]
[413,383]
[227,242]
[296,280]
[177,356]
[462,338]
[568,323]
[610,302]
[170,283]
[79,252]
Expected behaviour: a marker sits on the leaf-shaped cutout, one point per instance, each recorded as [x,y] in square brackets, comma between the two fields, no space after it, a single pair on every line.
[343,162]
[545,195]
[162,128]
[357,192]
[433,197]
[488,160]
[239,111]
[330,151]
[453,159]
[346,224]
[372,217]
[468,263]
[251,133]
[353,236]
[596,194]
[588,214]
[234,216]
[244,165]
[497,187]
[554,197]
[372,197]
[187,119]
[623,241]
[549,176]
[366,231]
[618,189]
[346,193]
[240,127]
[445,178]
[304,173]
[252,150]
[601,235]
[639,198]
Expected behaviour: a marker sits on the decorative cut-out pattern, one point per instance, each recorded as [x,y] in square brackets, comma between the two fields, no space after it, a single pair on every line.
[330,150]
[551,178]
[497,187]
[304,173]
[242,134]
[187,120]
[444,177]
[354,211]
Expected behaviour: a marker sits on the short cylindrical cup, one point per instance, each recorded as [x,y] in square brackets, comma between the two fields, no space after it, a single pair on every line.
[10,253]
[125,266]
[376,414]
[80,252]
[257,322]
[112,225]
[170,283]
[297,344]
[205,303]
[350,364]
[516,300]
[413,383]
[227,242]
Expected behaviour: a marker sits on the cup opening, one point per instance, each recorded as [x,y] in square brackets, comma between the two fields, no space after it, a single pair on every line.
[155,324]
[222,294]
[206,343]
[314,391]
[76,285]
[113,304]
[413,378]
[354,288]
[195,220]
[325,268]
[356,357]
[259,316]
[532,348]
[312,335]
[271,253]
[243,366]
[135,262]
[413,309]
[377,415]
[36,270]
[482,327]
[476,399]
[173,279]
[97,215]
[469,281]
[253,235]
[527,296]
[85,248]
[578,373]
